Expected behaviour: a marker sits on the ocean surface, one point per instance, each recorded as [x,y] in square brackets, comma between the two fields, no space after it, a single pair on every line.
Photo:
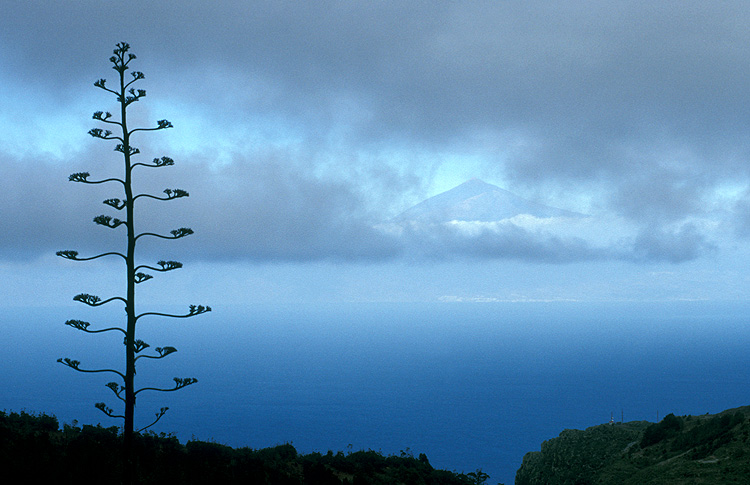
[471,385]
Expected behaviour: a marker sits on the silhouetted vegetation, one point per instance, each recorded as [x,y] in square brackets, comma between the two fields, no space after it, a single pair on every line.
[708,435]
[666,428]
[124,389]
[688,449]
[36,448]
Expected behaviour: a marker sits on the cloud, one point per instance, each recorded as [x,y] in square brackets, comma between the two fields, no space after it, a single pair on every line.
[739,221]
[510,241]
[523,238]
[684,243]
[263,208]
[430,74]
[37,216]
[247,210]
[305,126]
[663,195]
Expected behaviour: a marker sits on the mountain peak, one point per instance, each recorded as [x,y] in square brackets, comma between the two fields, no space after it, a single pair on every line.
[476,200]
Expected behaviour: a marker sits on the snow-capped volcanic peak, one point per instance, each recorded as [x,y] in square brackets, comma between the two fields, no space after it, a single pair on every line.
[476,200]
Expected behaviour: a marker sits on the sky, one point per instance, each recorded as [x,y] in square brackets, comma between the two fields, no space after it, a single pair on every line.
[302,128]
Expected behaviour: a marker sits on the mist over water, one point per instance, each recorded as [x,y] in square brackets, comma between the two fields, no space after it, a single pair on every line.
[471,385]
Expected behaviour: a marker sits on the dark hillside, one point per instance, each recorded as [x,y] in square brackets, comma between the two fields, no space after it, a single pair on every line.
[36,448]
[708,449]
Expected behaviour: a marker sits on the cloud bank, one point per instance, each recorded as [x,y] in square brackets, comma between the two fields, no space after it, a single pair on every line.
[302,128]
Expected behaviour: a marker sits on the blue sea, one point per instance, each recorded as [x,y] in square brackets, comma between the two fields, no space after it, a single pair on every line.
[471,385]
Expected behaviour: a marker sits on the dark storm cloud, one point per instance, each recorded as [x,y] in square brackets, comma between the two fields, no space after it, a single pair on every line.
[644,105]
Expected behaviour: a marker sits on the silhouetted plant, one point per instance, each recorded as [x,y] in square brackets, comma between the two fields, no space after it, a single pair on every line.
[125,390]
[668,427]
[33,447]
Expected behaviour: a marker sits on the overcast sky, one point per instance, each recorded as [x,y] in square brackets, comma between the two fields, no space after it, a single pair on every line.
[301,128]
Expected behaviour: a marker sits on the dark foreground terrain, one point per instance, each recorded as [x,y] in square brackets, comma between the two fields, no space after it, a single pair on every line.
[708,449]
[36,448]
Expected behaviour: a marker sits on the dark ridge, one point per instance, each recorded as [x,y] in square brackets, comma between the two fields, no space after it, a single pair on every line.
[707,449]
[36,448]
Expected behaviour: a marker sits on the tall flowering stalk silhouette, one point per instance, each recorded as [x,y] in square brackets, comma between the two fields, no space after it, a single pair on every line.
[123,387]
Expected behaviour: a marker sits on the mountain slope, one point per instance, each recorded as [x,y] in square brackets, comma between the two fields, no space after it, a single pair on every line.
[710,449]
[475,200]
